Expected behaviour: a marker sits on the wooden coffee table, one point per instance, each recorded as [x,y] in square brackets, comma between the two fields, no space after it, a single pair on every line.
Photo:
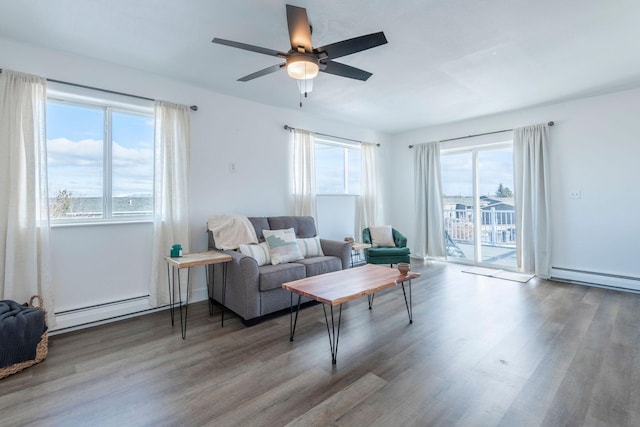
[336,288]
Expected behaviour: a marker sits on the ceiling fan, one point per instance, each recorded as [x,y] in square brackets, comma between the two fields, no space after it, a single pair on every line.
[303,61]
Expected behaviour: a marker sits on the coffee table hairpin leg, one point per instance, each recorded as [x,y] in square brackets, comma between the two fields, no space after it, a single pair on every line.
[334,334]
[292,323]
[408,304]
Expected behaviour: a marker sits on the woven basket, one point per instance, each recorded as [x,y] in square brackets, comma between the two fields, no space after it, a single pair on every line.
[42,349]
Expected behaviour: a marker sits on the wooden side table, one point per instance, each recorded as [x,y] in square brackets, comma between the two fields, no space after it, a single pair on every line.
[355,252]
[194,260]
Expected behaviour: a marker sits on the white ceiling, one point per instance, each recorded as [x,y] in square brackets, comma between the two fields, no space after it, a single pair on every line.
[446,60]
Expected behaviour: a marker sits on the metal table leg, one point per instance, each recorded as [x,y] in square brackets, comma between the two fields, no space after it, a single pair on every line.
[293,323]
[224,291]
[211,289]
[334,334]
[171,290]
[408,304]
[183,326]
[210,285]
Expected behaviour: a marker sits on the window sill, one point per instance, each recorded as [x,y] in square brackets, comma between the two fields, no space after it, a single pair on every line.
[100,223]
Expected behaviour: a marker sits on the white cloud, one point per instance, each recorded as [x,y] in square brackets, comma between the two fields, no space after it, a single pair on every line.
[77,167]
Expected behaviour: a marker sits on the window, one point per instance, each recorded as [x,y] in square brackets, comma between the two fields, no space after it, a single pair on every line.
[99,159]
[337,168]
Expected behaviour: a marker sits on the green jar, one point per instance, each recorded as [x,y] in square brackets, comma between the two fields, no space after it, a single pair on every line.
[176,251]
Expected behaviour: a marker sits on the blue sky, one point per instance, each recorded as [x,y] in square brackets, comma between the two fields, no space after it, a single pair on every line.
[494,167]
[329,162]
[75,151]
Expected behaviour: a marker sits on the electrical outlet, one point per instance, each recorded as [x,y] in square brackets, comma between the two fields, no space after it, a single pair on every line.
[575,194]
[232,167]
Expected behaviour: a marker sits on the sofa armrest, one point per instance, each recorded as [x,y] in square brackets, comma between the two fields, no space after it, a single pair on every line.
[242,296]
[338,249]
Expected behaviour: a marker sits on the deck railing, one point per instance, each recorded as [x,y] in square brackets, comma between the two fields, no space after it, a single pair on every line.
[497,228]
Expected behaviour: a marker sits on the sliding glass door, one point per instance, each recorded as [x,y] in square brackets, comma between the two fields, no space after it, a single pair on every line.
[479,209]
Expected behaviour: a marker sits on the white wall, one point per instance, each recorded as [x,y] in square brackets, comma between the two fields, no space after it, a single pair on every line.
[91,265]
[595,146]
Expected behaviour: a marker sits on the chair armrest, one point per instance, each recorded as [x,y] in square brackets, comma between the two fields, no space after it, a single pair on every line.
[338,249]
[399,239]
[366,236]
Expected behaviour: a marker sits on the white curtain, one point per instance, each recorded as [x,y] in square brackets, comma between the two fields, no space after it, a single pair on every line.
[367,212]
[428,198]
[25,264]
[171,184]
[531,169]
[304,174]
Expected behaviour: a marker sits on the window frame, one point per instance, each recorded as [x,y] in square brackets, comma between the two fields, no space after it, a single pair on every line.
[346,147]
[474,147]
[108,103]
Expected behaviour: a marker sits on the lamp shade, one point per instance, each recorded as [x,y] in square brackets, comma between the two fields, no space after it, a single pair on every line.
[302,67]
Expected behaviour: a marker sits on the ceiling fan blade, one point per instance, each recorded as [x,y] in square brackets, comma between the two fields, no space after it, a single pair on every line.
[299,30]
[356,44]
[249,47]
[261,73]
[342,70]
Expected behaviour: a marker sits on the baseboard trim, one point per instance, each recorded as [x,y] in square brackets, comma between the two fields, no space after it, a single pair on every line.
[86,317]
[592,278]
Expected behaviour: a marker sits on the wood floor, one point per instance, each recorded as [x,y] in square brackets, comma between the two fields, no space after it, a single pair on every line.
[480,352]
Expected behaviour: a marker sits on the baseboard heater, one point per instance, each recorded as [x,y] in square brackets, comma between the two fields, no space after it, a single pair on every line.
[94,315]
[593,278]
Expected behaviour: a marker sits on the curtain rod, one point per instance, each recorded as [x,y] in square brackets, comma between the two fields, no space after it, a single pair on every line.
[192,107]
[480,134]
[289,128]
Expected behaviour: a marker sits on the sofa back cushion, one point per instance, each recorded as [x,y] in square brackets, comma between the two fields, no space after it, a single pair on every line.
[304,226]
[259,223]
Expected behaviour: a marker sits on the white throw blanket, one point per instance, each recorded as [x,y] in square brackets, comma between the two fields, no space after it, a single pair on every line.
[231,231]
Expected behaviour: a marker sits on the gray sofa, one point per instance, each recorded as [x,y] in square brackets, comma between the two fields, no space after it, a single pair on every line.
[255,291]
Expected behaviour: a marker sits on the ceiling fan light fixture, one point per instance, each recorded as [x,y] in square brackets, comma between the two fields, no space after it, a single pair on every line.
[305,86]
[302,67]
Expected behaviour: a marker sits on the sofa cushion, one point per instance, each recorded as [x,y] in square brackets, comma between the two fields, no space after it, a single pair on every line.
[320,265]
[381,235]
[304,226]
[310,247]
[259,252]
[373,252]
[259,223]
[273,276]
[282,246]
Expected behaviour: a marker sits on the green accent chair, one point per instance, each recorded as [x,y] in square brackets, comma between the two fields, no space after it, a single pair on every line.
[387,255]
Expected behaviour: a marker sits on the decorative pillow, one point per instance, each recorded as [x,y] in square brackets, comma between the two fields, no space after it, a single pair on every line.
[310,247]
[381,235]
[282,245]
[260,252]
